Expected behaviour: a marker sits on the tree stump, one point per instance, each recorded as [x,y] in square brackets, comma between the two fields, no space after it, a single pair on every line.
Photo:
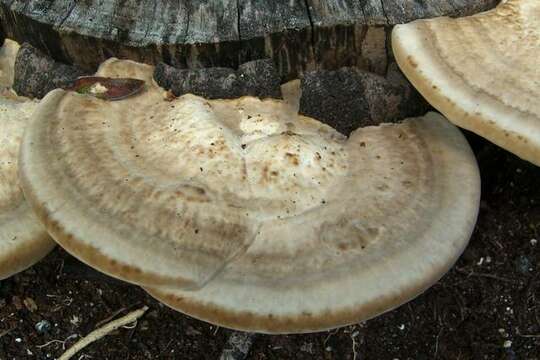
[298,35]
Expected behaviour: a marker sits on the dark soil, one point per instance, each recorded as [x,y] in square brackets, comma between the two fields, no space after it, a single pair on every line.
[486,307]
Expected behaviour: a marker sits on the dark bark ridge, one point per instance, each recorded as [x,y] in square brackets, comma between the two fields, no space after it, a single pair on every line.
[349,98]
[298,35]
[255,78]
[36,74]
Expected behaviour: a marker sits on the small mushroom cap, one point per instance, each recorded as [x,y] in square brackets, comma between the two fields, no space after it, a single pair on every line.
[292,92]
[23,240]
[482,72]
[266,220]
[8,54]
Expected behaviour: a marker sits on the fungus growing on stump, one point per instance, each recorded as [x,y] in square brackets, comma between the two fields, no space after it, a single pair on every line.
[242,212]
[482,72]
[23,240]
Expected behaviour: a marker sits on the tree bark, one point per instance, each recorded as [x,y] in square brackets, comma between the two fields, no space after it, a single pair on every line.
[298,35]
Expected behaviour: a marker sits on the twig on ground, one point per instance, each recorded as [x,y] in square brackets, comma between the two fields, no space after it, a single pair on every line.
[103,331]
[5,332]
[112,316]
[55,341]
[527,335]
[354,343]
[489,276]
[330,334]
[437,343]
[165,349]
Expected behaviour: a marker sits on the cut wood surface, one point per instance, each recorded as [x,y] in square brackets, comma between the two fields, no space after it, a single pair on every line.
[298,35]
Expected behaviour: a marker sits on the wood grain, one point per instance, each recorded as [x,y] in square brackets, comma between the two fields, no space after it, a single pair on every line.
[298,35]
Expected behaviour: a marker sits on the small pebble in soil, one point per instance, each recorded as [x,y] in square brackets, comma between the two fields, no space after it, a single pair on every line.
[507,344]
[307,347]
[75,320]
[534,242]
[523,264]
[30,304]
[43,326]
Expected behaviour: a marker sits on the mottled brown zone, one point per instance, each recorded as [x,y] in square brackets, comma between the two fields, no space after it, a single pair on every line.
[412,62]
[343,235]
[26,255]
[293,158]
[91,255]
[192,197]
[265,176]
[301,323]
[163,224]
[192,193]
[289,133]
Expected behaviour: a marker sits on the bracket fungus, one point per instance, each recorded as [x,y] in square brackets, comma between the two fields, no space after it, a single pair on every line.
[23,240]
[482,72]
[245,214]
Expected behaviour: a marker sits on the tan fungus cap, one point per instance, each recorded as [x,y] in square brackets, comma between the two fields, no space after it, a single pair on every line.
[292,92]
[482,71]
[244,214]
[23,240]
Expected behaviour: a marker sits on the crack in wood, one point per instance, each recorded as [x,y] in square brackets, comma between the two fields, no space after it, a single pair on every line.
[312,26]
[68,14]
[238,20]
[384,12]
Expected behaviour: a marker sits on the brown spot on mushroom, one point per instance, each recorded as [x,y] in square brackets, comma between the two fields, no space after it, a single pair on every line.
[407,183]
[293,158]
[412,62]
[192,193]
[265,171]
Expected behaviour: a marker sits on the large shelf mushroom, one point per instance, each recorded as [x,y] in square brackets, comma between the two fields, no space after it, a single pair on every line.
[244,214]
[482,71]
[23,239]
